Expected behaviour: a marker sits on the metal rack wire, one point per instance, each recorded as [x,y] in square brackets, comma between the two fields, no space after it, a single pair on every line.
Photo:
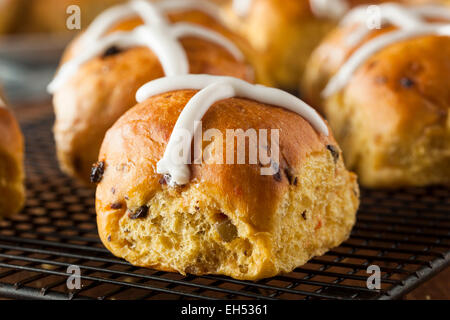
[406,233]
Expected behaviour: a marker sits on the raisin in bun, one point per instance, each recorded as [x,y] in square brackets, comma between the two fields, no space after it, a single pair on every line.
[386,95]
[284,33]
[104,87]
[12,190]
[214,218]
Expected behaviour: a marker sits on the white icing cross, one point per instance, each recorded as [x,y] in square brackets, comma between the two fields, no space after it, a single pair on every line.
[242,7]
[162,38]
[333,9]
[411,22]
[393,14]
[151,13]
[213,89]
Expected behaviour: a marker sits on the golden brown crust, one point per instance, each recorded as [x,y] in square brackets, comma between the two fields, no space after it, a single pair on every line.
[326,60]
[392,118]
[12,192]
[284,34]
[104,88]
[154,119]
[195,17]
[328,57]
[408,107]
[253,202]
[410,84]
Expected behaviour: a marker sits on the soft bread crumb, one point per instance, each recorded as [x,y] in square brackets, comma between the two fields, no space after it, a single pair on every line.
[187,230]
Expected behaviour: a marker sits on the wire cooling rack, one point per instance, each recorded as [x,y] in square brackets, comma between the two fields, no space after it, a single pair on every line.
[406,233]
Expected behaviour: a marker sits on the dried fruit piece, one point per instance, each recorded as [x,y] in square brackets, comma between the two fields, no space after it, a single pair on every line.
[334,152]
[111,51]
[406,82]
[116,206]
[290,176]
[97,172]
[227,230]
[140,213]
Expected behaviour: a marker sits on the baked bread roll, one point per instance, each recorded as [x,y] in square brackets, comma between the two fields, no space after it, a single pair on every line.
[284,33]
[12,190]
[213,216]
[98,81]
[386,95]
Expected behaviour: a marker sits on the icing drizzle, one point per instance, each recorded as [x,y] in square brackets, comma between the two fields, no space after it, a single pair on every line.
[161,37]
[213,89]
[150,13]
[334,9]
[411,23]
[242,7]
[321,8]
[393,14]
